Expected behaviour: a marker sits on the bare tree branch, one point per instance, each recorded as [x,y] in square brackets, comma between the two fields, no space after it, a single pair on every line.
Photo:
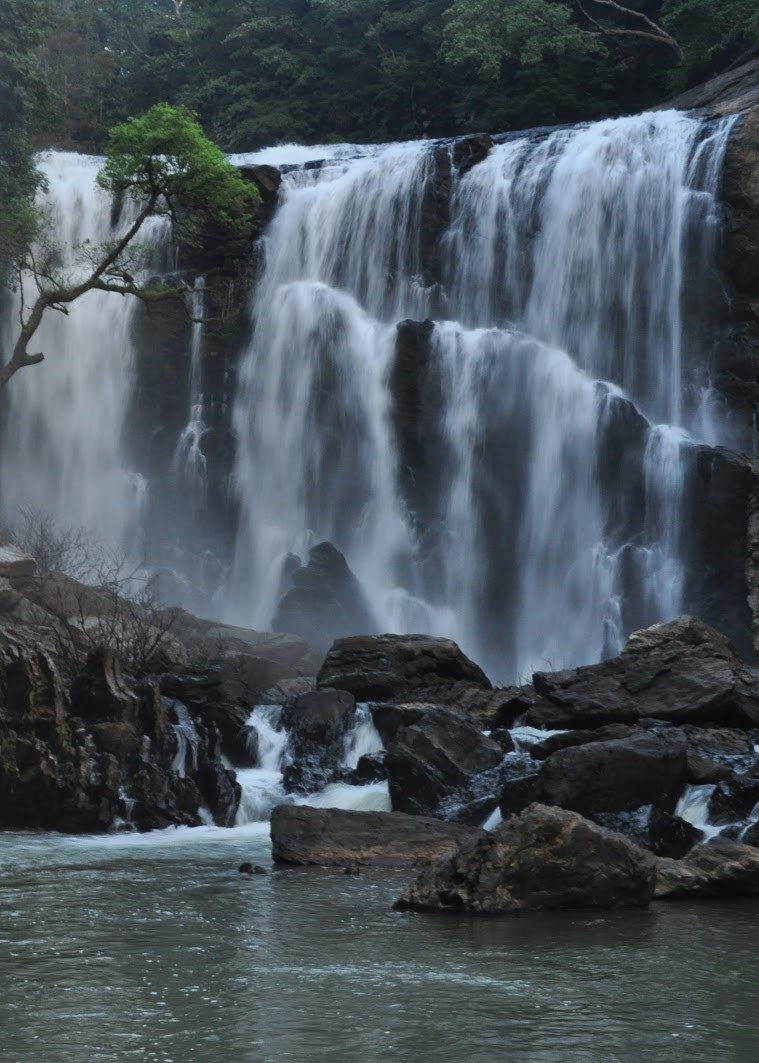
[655,32]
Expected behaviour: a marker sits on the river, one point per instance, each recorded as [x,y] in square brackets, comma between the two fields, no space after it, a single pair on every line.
[154,948]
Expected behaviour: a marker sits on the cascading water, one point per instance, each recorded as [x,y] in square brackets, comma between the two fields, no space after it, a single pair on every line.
[189,464]
[64,452]
[561,268]
[527,498]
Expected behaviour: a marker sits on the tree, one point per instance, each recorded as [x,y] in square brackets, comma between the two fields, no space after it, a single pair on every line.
[21,28]
[483,32]
[167,166]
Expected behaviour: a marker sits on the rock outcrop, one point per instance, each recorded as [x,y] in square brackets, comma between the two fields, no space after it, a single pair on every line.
[544,859]
[302,835]
[317,724]
[378,668]
[110,751]
[617,776]
[435,759]
[721,868]
[682,672]
[325,600]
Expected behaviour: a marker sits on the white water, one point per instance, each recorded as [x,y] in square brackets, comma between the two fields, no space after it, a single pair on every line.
[262,786]
[64,446]
[189,465]
[565,263]
[568,283]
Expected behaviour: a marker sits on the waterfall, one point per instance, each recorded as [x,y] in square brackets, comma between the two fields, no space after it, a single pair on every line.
[189,463]
[564,376]
[64,451]
[480,382]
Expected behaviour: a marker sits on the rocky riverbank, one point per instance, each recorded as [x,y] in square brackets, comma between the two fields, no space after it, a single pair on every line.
[606,785]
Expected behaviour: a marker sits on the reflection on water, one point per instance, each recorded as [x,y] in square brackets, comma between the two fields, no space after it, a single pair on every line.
[153,948]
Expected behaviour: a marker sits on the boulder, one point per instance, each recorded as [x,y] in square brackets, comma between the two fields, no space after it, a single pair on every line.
[546,858]
[302,835]
[14,563]
[733,800]
[317,724]
[721,868]
[438,755]
[616,776]
[670,835]
[325,602]
[381,667]
[614,731]
[680,672]
[222,697]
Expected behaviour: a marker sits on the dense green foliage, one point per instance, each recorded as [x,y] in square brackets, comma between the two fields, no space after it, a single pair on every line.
[165,159]
[261,71]
[21,29]
[163,162]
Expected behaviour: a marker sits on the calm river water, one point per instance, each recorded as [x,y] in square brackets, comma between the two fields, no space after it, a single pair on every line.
[153,948]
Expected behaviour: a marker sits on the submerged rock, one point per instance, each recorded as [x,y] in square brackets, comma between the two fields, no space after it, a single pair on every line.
[303,835]
[546,858]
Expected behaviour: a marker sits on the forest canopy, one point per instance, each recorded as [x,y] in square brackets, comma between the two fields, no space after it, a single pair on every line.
[263,71]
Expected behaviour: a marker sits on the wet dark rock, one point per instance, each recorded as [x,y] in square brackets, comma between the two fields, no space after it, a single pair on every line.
[101,692]
[303,835]
[370,768]
[14,563]
[734,799]
[388,718]
[325,602]
[633,824]
[267,180]
[103,756]
[720,868]
[670,835]
[520,777]
[381,667]
[541,750]
[618,775]
[502,737]
[429,761]
[317,725]
[682,672]
[222,698]
[546,858]
[703,772]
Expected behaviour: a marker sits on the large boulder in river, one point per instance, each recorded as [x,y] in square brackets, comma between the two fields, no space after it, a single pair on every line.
[617,776]
[317,724]
[546,858]
[438,755]
[302,835]
[683,671]
[381,667]
[721,868]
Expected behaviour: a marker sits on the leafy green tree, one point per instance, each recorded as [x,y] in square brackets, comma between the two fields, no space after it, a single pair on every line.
[714,33]
[21,29]
[166,165]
